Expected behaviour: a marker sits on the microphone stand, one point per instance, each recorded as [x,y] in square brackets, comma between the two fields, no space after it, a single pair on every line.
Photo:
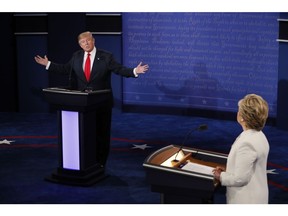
[70,73]
[200,128]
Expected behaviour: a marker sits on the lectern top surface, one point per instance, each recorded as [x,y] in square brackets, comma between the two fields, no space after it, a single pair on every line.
[71,91]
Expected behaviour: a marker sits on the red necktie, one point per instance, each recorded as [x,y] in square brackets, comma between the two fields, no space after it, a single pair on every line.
[87,67]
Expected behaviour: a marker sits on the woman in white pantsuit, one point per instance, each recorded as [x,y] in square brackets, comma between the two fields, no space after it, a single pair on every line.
[245,176]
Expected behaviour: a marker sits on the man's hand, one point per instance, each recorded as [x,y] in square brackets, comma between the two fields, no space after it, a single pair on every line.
[40,60]
[140,69]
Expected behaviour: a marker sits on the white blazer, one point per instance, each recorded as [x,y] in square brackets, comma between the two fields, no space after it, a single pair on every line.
[246,170]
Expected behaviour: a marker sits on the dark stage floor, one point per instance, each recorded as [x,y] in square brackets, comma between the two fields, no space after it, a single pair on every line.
[30,154]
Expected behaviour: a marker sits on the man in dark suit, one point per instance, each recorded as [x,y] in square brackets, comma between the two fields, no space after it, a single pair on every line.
[91,69]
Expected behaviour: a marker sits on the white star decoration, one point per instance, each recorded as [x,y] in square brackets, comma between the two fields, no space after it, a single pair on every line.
[143,147]
[7,142]
[272,171]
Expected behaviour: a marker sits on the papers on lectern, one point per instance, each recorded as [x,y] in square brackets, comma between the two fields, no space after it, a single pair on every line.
[199,168]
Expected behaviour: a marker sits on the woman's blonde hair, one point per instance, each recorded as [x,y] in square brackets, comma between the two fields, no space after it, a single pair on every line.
[254,111]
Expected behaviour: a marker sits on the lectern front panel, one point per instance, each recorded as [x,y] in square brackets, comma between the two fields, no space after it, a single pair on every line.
[70,140]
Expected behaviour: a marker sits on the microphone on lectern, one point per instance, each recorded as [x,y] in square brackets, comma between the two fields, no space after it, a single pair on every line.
[199,128]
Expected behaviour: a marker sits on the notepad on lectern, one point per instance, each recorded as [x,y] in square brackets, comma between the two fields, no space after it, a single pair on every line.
[199,168]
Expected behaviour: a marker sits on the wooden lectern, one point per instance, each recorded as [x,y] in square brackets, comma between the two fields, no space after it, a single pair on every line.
[77,135]
[188,179]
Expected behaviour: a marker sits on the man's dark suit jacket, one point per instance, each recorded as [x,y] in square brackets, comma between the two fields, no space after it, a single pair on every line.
[103,66]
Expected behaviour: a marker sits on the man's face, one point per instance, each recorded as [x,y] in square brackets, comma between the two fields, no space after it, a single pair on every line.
[87,43]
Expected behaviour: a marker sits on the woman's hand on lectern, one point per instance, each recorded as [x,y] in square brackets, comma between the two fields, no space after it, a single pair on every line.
[217,172]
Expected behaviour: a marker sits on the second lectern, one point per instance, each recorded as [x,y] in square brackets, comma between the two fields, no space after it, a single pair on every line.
[183,175]
[77,136]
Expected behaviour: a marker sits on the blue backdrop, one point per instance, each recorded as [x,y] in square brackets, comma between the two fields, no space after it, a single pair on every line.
[201,60]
